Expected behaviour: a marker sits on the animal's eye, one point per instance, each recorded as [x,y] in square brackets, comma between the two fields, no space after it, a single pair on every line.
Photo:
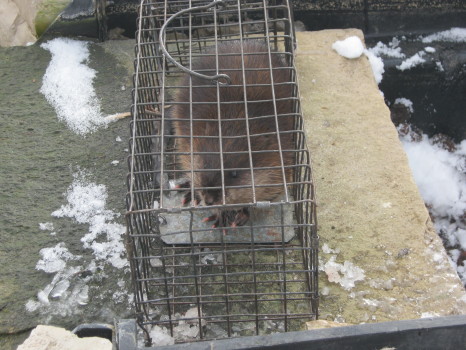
[234,174]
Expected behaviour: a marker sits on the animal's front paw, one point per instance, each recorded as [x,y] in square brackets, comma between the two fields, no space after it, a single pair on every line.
[215,218]
[187,197]
[229,218]
[223,218]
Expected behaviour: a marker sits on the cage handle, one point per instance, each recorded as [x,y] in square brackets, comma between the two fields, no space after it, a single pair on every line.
[170,58]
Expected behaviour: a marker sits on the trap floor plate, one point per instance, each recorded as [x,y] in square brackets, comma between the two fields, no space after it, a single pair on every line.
[275,224]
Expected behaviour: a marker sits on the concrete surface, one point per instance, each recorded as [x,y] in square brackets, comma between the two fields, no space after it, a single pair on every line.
[370,213]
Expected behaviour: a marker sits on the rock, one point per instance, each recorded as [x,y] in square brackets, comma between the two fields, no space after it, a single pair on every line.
[55,338]
[16,22]
[369,208]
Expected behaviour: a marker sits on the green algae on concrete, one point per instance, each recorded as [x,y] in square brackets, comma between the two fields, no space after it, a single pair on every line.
[39,156]
[47,13]
[369,209]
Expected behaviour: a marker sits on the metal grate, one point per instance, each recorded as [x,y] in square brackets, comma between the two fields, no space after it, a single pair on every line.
[248,171]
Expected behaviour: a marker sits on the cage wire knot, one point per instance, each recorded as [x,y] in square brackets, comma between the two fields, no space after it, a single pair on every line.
[214,78]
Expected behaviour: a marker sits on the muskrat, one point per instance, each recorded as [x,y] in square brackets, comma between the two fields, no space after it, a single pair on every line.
[260,108]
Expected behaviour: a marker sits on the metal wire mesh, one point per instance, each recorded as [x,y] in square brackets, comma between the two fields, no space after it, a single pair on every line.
[253,276]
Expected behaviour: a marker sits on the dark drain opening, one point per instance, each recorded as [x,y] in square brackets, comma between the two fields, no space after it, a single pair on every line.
[437,87]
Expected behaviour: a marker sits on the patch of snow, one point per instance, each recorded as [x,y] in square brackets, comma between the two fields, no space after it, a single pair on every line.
[443,191]
[439,66]
[156,262]
[54,259]
[445,187]
[186,331]
[325,291]
[46,226]
[67,85]
[351,47]
[390,51]
[413,61]
[68,289]
[86,204]
[327,250]
[429,49]
[406,102]
[453,35]
[376,65]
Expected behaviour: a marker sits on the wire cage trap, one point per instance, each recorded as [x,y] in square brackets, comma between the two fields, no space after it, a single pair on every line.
[221,215]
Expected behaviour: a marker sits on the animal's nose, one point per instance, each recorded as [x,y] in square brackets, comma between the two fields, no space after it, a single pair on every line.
[209,198]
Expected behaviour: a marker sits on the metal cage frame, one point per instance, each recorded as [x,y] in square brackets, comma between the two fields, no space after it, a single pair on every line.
[195,289]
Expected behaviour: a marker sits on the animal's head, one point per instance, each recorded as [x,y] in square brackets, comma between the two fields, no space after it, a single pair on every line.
[211,184]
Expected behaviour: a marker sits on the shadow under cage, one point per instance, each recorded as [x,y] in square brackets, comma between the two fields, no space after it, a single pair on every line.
[221,214]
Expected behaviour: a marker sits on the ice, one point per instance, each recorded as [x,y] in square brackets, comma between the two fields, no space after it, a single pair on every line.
[82,294]
[43,297]
[156,262]
[60,288]
[186,331]
[213,258]
[327,250]
[209,259]
[346,274]
[351,47]
[87,205]
[413,61]
[452,35]
[54,259]
[67,85]
[192,313]
[160,336]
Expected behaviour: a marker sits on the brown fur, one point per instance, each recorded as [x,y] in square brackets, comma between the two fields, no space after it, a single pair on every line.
[233,124]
